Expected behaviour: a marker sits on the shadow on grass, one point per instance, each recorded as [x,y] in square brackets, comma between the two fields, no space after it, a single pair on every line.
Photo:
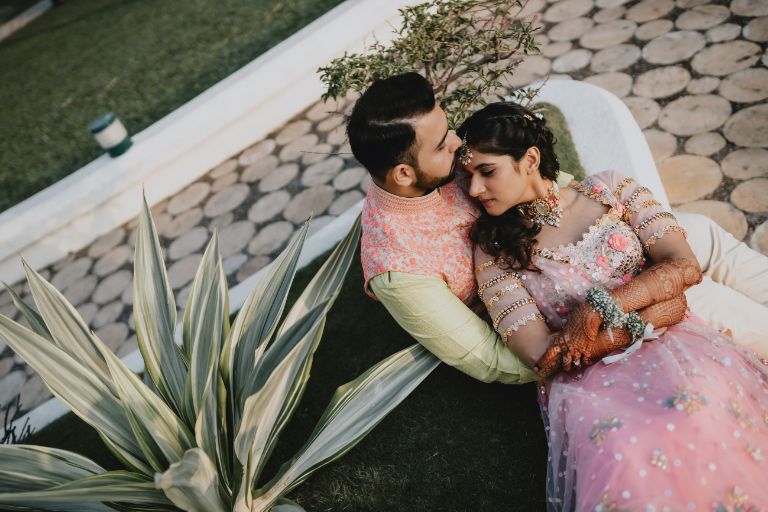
[454,444]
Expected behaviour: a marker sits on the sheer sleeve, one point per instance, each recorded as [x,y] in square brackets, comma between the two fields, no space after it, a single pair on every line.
[505,296]
[647,216]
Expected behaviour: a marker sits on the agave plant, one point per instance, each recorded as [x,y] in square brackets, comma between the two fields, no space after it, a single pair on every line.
[196,432]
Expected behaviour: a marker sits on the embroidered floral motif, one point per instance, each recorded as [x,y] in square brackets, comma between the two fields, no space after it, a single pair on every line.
[686,400]
[607,505]
[600,431]
[735,408]
[755,452]
[618,242]
[659,459]
[737,502]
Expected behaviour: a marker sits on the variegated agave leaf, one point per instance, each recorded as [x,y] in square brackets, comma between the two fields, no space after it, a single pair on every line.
[154,313]
[32,317]
[192,484]
[355,409]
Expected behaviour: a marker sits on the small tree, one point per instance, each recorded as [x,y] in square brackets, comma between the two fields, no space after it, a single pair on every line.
[465,48]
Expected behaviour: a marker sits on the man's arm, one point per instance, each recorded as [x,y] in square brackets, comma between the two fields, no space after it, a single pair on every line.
[425,307]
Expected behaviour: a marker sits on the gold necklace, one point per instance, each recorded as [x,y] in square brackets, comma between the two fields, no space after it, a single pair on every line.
[544,210]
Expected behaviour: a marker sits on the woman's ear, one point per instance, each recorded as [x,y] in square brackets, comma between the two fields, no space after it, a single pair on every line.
[531,160]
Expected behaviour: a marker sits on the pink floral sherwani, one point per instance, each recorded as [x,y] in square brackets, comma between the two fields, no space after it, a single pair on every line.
[426,235]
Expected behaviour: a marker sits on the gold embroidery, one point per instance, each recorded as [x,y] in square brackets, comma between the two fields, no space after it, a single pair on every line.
[490,263]
[657,235]
[521,322]
[510,308]
[495,280]
[591,193]
[648,203]
[497,296]
[626,181]
[653,218]
[635,195]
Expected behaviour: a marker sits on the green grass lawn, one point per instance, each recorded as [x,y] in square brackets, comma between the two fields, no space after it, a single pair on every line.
[139,58]
[454,444]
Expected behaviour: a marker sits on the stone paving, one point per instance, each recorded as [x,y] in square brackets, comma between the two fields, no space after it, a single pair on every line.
[692,72]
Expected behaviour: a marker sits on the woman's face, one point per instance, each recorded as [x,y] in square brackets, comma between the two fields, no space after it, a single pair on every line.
[498,181]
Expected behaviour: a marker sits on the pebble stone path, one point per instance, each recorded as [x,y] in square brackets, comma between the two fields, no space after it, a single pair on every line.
[693,73]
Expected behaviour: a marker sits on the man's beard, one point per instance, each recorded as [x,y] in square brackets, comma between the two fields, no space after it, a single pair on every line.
[430,182]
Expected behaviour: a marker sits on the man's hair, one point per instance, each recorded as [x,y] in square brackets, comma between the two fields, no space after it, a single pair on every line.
[379,129]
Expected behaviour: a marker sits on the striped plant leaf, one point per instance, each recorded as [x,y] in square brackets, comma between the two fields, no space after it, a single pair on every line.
[30,468]
[154,313]
[67,328]
[77,386]
[355,409]
[205,324]
[290,357]
[162,435]
[257,320]
[192,484]
[32,317]
[286,505]
[88,493]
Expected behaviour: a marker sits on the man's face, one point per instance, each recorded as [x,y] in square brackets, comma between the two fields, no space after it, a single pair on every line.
[437,147]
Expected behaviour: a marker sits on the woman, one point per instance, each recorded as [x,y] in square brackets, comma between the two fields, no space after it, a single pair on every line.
[568,275]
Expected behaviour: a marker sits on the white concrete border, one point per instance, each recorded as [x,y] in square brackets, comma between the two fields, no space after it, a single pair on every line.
[621,146]
[8,28]
[178,149]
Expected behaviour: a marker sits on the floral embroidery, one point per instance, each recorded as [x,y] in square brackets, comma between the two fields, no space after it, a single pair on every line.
[659,459]
[755,452]
[737,502]
[618,242]
[606,505]
[600,430]
[735,408]
[686,400]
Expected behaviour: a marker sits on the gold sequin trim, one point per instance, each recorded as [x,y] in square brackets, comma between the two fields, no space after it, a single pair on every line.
[499,294]
[635,195]
[521,322]
[648,203]
[657,235]
[495,280]
[626,181]
[653,218]
[496,262]
[507,310]
[590,193]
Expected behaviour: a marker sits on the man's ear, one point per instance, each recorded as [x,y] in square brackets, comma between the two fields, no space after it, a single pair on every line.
[531,160]
[402,175]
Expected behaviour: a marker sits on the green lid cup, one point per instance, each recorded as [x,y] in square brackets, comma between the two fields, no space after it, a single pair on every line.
[111,135]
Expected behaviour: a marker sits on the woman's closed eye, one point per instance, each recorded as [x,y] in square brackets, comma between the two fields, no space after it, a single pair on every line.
[487,172]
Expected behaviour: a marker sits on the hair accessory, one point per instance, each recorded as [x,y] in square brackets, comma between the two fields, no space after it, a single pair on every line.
[544,210]
[465,154]
[528,117]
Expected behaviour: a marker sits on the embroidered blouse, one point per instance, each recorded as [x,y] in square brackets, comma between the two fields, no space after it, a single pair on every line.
[609,254]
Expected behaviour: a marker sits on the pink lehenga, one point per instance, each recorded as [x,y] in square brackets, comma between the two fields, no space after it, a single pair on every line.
[680,424]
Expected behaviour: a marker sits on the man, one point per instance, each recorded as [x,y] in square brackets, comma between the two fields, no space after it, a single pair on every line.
[416,252]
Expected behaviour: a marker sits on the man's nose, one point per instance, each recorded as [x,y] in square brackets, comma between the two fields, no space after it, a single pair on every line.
[454,141]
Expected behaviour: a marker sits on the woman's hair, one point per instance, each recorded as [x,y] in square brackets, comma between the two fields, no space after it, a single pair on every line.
[509,129]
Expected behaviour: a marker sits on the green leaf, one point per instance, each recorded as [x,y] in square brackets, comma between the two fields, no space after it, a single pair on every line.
[257,320]
[192,483]
[33,318]
[266,412]
[205,325]
[66,327]
[154,313]
[29,468]
[355,409]
[87,494]
[77,386]
[286,505]
[161,434]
